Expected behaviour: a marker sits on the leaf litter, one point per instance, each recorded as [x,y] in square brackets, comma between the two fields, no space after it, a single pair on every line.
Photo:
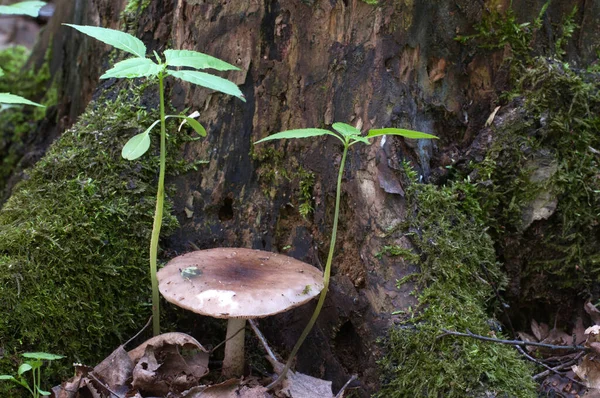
[172,365]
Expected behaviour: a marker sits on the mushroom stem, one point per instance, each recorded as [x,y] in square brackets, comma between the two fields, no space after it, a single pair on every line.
[233,362]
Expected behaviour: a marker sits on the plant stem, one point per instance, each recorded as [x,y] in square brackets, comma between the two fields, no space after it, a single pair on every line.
[158,213]
[326,275]
[36,389]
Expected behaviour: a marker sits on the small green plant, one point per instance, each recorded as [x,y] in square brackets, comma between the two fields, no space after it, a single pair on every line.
[348,135]
[31,8]
[33,364]
[140,66]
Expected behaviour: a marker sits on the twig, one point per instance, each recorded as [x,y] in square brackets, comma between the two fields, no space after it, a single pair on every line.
[340,393]
[140,332]
[514,342]
[226,340]
[526,355]
[104,385]
[262,339]
[559,367]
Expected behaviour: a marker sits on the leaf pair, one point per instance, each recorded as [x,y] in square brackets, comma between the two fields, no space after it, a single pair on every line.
[140,66]
[140,143]
[348,134]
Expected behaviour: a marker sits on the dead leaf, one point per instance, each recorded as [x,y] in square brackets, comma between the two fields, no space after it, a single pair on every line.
[588,371]
[595,346]
[558,337]
[298,385]
[527,338]
[593,312]
[592,394]
[540,331]
[173,338]
[115,370]
[231,388]
[492,116]
[594,333]
[169,368]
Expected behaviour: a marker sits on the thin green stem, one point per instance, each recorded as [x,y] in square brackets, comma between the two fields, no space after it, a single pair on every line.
[36,390]
[158,213]
[326,275]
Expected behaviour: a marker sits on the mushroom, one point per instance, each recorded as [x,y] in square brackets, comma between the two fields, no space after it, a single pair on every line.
[238,284]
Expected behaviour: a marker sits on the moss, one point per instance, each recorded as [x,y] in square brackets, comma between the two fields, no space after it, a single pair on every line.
[74,241]
[561,107]
[18,123]
[130,15]
[448,232]
[305,196]
[397,251]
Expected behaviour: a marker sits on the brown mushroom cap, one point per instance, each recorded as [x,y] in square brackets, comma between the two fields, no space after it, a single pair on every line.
[238,283]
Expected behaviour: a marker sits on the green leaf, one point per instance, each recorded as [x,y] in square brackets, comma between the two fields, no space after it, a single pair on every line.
[300,133]
[42,392]
[1,72]
[359,138]
[197,60]
[345,129]
[25,367]
[402,132]
[209,81]
[133,67]
[7,98]
[121,40]
[41,355]
[7,377]
[31,8]
[137,145]
[198,128]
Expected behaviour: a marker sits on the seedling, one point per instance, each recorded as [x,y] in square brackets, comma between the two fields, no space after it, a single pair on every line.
[31,8]
[33,364]
[140,66]
[349,136]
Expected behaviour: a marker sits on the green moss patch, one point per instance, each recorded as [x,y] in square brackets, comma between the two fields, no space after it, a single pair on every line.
[74,236]
[18,123]
[458,269]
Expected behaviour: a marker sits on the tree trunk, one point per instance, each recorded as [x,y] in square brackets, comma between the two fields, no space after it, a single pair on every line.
[309,63]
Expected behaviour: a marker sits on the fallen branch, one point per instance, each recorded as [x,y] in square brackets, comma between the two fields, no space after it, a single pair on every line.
[560,367]
[514,342]
[526,355]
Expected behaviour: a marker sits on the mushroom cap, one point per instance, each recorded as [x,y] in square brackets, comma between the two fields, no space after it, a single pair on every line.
[238,283]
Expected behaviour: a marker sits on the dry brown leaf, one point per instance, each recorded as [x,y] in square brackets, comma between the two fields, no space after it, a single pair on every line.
[593,393]
[173,338]
[588,371]
[593,332]
[540,331]
[298,385]
[164,369]
[558,337]
[593,312]
[595,346]
[231,388]
[115,370]
[528,338]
